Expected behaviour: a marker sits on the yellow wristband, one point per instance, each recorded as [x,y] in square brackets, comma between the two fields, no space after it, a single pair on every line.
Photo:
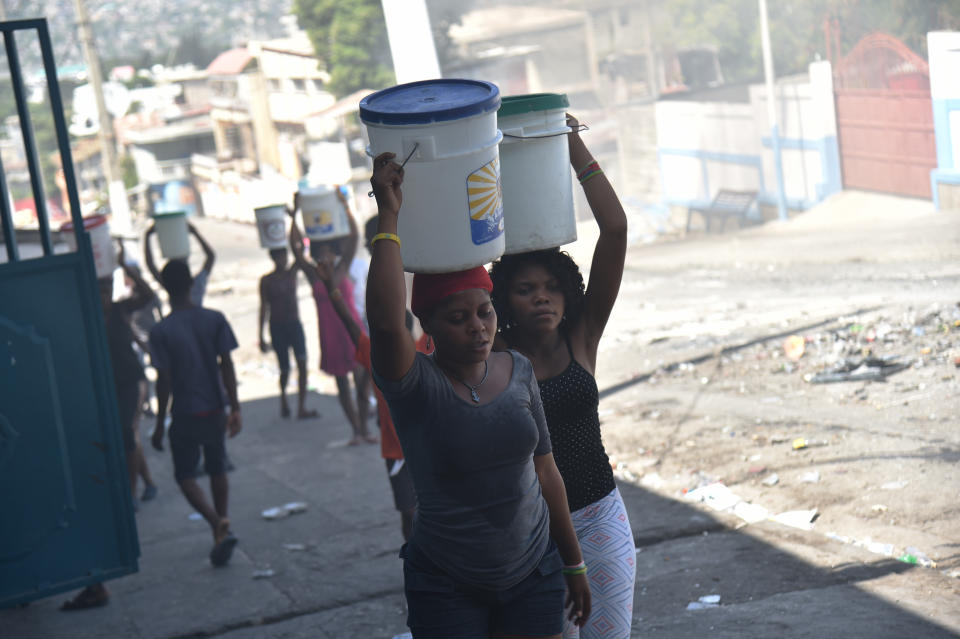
[385,236]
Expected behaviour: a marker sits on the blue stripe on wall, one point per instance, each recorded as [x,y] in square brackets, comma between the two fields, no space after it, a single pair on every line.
[946,172]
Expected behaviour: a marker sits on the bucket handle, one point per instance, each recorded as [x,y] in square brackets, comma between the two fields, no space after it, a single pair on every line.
[427,148]
[569,130]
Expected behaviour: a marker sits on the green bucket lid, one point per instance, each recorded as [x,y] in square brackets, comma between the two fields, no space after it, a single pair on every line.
[517,104]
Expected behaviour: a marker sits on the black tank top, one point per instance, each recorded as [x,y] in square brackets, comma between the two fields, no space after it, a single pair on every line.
[570,403]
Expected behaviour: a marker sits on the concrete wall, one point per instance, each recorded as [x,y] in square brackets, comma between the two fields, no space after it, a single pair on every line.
[944,55]
[707,146]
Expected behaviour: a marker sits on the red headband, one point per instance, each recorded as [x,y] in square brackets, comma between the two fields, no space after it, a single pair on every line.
[429,289]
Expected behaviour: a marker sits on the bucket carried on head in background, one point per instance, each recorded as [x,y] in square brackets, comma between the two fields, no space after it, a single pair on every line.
[452,215]
[272,225]
[535,172]
[104,252]
[323,215]
[173,234]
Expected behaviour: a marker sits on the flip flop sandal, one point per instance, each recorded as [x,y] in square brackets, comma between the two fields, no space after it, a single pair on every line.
[223,550]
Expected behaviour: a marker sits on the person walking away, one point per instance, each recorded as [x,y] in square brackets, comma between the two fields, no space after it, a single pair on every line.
[336,349]
[404,495]
[127,375]
[492,542]
[191,349]
[546,314]
[278,302]
[199,289]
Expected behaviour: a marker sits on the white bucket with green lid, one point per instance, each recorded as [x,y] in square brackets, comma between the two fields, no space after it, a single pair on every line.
[535,172]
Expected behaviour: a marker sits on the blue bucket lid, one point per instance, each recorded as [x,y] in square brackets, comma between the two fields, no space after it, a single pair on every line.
[430,101]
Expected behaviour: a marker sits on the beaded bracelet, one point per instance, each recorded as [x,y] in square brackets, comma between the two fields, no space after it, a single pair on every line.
[589,168]
[385,236]
[590,175]
[579,569]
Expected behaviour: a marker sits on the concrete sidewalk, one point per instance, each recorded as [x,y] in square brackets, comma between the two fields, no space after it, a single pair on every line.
[773,581]
[348,582]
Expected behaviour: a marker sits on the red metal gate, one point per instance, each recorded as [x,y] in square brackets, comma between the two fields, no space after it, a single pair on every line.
[885,118]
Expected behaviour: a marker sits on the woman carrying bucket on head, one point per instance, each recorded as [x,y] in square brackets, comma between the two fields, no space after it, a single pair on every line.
[546,315]
[336,348]
[492,548]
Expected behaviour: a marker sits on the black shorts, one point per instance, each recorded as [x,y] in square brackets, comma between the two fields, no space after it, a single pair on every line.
[192,434]
[404,497]
[441,608]
[128,402]
[286,336]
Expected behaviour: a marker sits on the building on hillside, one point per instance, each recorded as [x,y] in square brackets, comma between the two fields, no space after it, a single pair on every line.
[262,96]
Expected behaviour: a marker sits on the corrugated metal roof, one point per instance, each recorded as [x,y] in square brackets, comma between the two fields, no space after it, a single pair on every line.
[230,62]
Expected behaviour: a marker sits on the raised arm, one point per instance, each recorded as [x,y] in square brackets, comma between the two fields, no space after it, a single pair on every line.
[336,298]
[606,271]
[148,254]
[392,348]
[142,293]
[264,308]
[210,256]
[349,243]
[296,246]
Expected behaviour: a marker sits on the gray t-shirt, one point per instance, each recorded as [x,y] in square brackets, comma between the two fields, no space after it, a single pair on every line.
[480,517]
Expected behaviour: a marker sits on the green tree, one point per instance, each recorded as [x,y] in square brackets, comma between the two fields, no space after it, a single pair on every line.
[350,37]
[796,28]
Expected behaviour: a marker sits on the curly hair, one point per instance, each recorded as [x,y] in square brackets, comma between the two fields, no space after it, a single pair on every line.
[558,263]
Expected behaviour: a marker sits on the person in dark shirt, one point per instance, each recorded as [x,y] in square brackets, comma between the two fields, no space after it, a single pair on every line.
[278,302]
[548,315]
[190,349]
[127,376]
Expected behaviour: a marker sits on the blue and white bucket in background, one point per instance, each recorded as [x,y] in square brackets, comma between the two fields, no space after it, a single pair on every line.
[535,172]
[272,225]
[452,214]
[323,215]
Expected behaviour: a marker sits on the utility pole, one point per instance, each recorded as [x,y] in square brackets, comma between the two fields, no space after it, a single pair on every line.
[119,207]
[772,110]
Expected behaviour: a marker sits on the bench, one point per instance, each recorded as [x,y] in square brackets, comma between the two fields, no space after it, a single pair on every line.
[726,204]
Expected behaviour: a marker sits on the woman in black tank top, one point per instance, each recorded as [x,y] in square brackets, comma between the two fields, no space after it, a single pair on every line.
[548,315]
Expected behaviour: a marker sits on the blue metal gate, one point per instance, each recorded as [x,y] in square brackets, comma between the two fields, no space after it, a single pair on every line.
[66,516]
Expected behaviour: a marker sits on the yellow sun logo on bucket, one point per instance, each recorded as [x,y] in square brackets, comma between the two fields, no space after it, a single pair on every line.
[486,202]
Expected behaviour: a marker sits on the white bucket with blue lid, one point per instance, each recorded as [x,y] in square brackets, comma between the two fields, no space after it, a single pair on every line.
[535,172]
[452,214]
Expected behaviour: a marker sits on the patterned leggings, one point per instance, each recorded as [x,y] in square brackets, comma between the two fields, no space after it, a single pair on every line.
[606,541]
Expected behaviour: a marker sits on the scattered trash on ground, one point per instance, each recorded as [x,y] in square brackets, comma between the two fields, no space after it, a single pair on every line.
[812,477]
[720,497]
[263,573]
[195,517]
[794,347]
[279,512]
[894,485]
[868,369]
[910,555]
[706,601]
[295,547]
[878,508]
[771,480]
[917,557]
[405,635]
[801,519]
